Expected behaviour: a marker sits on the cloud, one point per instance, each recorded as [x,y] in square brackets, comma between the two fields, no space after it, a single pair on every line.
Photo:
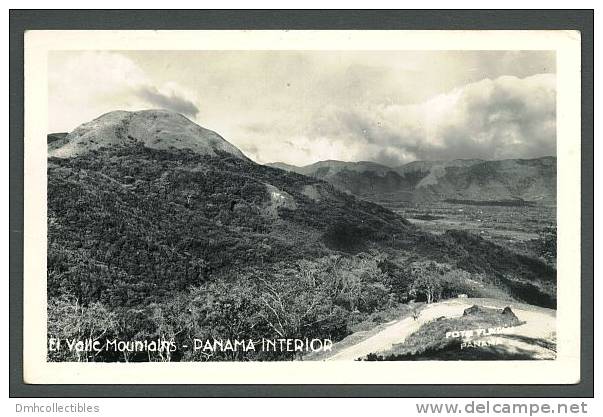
[84,85]
[172,102]
[303,106]
[507,117]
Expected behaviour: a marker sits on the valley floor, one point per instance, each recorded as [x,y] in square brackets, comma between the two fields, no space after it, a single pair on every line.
[514,227]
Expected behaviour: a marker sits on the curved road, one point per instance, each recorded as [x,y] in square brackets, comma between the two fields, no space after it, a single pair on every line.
[540,324]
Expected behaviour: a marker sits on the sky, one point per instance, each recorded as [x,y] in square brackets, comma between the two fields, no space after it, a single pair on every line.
[300,107]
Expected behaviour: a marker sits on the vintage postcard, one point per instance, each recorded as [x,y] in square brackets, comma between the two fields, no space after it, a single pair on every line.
[325,207]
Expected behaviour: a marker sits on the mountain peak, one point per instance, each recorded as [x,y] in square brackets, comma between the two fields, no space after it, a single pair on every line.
[155,128]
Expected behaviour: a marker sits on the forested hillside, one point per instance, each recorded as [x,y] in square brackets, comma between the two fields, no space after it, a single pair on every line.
[159,242]
[155,243]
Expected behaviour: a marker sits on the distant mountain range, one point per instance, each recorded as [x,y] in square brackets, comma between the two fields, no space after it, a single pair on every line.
[522,180]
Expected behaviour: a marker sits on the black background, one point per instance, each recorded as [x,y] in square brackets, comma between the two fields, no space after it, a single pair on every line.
[22,20]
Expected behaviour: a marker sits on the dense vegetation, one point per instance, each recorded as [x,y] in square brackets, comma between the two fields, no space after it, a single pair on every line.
[146,244]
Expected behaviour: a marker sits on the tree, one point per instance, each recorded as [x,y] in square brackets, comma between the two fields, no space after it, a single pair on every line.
[428,280]
[429,286]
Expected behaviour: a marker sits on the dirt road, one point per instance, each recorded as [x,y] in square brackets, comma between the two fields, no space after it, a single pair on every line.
[540,324]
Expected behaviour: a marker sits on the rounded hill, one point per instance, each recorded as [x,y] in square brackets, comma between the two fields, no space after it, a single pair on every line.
[159,129]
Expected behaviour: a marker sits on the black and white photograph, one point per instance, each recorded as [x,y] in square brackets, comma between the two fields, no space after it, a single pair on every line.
[301,205]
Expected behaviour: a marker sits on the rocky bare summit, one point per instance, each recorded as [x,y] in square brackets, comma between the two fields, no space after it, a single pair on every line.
[158,129]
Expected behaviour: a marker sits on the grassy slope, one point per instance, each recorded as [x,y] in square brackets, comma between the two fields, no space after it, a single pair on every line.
[432,336]
[430,342]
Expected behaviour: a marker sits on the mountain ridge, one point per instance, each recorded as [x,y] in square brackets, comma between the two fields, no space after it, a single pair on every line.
[530,179]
